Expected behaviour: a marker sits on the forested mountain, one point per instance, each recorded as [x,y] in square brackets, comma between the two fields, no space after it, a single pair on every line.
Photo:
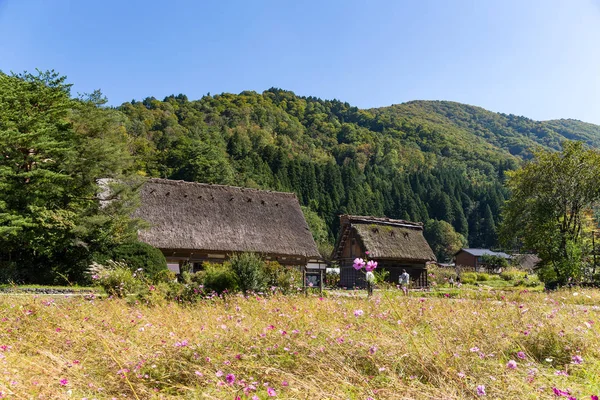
[440,163]
[420,160]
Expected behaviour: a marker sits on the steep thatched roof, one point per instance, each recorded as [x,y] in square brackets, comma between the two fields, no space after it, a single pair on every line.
[386,238]
[197,216]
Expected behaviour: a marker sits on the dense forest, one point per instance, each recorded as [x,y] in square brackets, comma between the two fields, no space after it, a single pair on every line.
[419,161]
[428,161]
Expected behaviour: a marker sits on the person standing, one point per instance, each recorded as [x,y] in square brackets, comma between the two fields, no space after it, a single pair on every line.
[404,281]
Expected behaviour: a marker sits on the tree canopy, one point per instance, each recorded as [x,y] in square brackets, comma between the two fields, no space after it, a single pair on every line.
[551,206]
[53,150]
[418,161]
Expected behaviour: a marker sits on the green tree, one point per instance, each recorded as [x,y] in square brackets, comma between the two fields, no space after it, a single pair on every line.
[551,199]
[53,151]
[443,239]
[493,263]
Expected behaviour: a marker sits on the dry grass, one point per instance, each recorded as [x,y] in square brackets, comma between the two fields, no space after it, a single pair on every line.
[301,347]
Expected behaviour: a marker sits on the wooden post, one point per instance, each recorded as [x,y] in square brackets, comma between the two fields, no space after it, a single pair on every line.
[320,280]
[304,281]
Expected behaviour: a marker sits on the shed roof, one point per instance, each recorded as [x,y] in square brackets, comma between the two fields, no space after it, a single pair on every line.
[386,238]
[485,252]
[197,216]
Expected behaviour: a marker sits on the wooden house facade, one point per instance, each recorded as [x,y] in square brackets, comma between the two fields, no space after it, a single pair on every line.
[394,244]
[472,259]
[195,222]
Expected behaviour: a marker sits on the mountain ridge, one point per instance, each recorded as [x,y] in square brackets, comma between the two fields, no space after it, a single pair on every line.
[418,161]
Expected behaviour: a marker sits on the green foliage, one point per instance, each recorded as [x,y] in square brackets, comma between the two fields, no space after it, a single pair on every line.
[249,272]
[317,225]
[116,278]
[493,262]
[468,277]
[164,276]
[513,274]
[482,277]
[286,279]
[53,150]
[443,239]
[551,202]
[219,278]
[439,275]
[332,279]
[140,256]
[415,161]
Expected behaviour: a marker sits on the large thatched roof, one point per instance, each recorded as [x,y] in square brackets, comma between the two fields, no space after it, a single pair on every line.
[386,238]
[197,216]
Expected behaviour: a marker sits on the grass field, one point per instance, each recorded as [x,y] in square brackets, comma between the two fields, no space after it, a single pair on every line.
[501,345]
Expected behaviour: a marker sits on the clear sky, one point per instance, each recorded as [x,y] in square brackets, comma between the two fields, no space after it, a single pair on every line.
[537,58]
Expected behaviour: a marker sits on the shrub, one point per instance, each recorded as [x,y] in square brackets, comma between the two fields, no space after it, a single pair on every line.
[116,278]
[219,278]
[165,276]
[140,255]
[332,279]
[249,272]
[468,277]
[482,277]
[513,274]
[287,279]
[440,275]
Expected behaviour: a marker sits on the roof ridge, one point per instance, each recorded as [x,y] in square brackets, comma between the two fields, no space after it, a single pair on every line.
[381,220]
[176,182]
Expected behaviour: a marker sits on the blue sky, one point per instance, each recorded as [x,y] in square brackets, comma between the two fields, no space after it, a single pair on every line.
[537,58]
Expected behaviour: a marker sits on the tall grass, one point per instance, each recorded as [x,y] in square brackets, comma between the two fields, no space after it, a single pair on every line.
[346,347]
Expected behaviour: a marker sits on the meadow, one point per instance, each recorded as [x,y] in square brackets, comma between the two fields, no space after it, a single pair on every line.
[343,345]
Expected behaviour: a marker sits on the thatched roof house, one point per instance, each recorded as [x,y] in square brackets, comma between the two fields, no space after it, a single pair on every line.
[526,262]
[199,222]
[394,244]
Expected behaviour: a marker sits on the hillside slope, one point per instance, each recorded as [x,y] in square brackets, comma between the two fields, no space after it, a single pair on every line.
[515,134]
[420,160]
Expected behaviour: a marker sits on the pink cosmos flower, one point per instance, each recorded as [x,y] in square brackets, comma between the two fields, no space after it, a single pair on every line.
[358,263]
[64,382]
[481,390]
[198,373]
[230,378]
[558,392]
[373,350]
[577,360]
[219,373]
[512,364]
[255,397]
[358,313]
[371,265]
[521,355]
[474,349]
[271,392]
[461,374]
[594,397]
[367,252]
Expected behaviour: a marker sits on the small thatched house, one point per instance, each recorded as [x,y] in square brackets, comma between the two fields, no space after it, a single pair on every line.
[526,262]
[198,222]
[394,244]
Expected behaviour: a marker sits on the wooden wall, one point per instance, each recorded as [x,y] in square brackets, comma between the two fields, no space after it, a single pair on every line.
[349,277]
